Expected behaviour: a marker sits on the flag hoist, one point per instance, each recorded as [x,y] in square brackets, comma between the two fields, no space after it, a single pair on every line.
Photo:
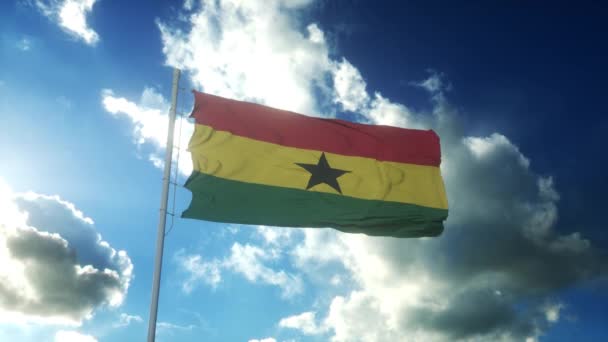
[160,237]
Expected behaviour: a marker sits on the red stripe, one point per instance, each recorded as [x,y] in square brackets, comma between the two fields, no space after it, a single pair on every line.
[286,128]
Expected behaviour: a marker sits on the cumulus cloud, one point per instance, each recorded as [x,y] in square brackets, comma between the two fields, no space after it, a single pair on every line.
[55,267]
[71,16]
[73,336]
[246,260]
[150,120]
[487,277]
[251,50]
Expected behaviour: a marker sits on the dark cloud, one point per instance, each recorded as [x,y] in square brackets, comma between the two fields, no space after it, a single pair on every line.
[475,313]
[500,251]
[50,214]
[58,269]
[494,274]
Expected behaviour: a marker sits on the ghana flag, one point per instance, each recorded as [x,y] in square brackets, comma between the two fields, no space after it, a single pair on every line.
[263,166]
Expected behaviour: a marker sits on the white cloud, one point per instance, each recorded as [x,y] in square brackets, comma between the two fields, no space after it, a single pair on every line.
[282,66]
[198,271]
[150,122]
[552,312]
[335,280]
[275,235]
[188,4]
[434,83]
[267,339]
[168,330]
[73,336]
[349,87]
[481,147]
[167,326]
[384,112]
[315,34]
[71,16]
[372,325]
[306,253]
[56,268]
[149,116]
[304,322]
[126,320]
[246,260]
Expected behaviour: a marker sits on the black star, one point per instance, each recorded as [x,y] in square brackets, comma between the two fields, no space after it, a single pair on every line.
[323,173]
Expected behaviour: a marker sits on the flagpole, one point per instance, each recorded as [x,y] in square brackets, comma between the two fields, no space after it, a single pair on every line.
[160,236]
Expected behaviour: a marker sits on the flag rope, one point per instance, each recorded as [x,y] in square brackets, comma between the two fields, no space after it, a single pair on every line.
[176,173]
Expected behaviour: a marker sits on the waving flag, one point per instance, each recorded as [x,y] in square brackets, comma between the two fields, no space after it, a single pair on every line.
[259,165]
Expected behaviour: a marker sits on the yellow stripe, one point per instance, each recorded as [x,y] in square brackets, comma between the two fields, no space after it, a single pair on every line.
[233,157]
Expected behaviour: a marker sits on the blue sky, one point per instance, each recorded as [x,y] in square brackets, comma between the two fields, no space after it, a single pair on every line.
[515,92]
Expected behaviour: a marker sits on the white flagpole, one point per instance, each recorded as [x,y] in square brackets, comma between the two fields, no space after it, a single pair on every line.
[160,237]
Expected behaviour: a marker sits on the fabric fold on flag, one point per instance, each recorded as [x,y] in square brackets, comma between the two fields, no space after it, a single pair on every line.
[264,166]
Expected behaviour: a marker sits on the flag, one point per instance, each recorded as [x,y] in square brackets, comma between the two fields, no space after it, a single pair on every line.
[263,166]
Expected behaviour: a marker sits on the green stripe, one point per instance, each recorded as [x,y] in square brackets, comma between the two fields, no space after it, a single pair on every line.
[221,200]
